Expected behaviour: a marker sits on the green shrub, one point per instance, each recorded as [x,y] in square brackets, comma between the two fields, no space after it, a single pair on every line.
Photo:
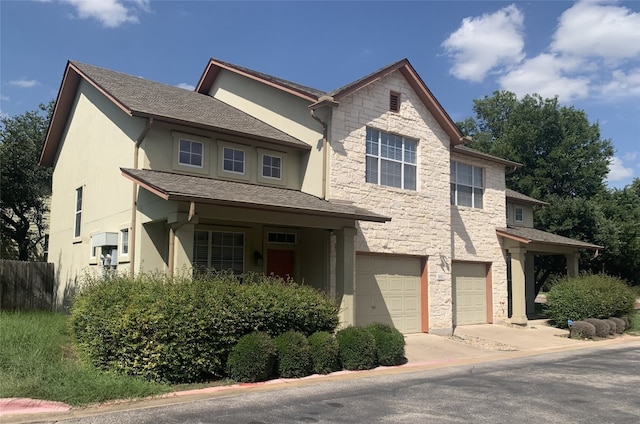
[582,330]
[294,355]
[389,343]
[596,296]
[621,325]
[601,326]
[181,330]
[357,348]
[253,358]
[324,352]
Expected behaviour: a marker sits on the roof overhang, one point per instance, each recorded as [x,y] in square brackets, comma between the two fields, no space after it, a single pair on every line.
[467,151]
[539,240]
[189,188]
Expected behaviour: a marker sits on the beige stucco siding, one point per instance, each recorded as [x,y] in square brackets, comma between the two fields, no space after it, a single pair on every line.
[473,233]
[282,110]
[98,141]
[420,219]
[527,215]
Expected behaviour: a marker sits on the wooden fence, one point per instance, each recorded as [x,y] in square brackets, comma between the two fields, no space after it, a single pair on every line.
[26,285]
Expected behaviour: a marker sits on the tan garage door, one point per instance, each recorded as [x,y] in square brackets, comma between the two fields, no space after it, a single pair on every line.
[388,291]
[470,293]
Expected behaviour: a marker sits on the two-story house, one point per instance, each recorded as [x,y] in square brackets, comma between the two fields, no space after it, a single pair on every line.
[366,192]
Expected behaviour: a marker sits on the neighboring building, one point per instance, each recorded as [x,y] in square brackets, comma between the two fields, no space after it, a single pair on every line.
[366,192]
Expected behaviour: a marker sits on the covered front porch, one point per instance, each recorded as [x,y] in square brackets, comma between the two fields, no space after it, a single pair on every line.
[191,223]
[521,246]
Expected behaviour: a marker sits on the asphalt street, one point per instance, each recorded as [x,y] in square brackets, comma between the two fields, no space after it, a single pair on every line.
[597,385]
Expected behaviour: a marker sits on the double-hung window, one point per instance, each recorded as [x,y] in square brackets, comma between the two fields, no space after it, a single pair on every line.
[124,241]
[391,160]
[78,214]
[219,250]
[233,160]
[467,185]
[190,153]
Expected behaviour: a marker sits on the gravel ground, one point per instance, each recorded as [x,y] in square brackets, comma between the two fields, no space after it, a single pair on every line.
[482,343]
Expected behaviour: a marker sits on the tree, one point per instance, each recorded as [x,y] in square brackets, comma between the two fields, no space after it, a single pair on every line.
[25,185]
[565,163]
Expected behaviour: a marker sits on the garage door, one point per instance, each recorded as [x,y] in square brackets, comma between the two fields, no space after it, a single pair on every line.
[388,291]
[470,293]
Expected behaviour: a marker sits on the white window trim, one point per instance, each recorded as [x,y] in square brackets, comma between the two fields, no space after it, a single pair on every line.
[249,158]
[473,186]
[261,164]
[282,181]
[210,232]
[186,167]
[515,214]
[402,162]
[190,164]
[77,224]
[122,256]
[244,161]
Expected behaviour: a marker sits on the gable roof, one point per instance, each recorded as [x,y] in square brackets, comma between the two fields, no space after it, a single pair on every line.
[313,95]
[181,187]
[149,99]
[522,198]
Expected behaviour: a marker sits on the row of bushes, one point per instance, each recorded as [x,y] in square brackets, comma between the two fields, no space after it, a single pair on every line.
[181,330]
[588,296]
[258,357]
[594,327]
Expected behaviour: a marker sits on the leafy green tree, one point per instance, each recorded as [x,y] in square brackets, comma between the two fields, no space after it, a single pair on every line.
[24,184]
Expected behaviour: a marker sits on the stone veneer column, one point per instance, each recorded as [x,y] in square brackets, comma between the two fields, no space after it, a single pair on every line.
[518,293]
[345,275]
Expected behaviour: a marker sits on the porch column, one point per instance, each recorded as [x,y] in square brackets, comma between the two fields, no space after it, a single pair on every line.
[183,249]
[345,275]
[530,283]
[518,293]
[572,264]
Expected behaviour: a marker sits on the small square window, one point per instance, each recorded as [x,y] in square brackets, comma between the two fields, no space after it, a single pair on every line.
[233,160]
[190,153]
[394,102]
[271,166]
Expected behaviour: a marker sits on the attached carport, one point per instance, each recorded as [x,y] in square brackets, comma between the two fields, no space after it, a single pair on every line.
[521,245]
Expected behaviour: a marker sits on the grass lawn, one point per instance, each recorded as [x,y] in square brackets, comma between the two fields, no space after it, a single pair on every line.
[634,325]
[37,361]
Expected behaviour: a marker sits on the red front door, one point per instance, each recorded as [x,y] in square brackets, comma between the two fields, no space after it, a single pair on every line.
[280,263]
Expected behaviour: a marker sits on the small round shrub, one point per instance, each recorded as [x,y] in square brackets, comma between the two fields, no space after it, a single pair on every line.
[252,358]
[294,355]
[613,326]
[390,344]
[620,324]
[602,327]
[324,352]
[596,296]
[357,348]
[582,330]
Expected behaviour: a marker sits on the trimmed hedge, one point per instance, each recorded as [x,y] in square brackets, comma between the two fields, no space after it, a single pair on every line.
[596,296]
[601,326]
[389,343]
[582,330]
[621,325]
[357,348]
[294,355]
[613,326]
[324,352]
[253,358]
[182,329]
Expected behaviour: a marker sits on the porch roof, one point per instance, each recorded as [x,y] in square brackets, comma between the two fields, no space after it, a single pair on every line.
[189,188]
[531,235]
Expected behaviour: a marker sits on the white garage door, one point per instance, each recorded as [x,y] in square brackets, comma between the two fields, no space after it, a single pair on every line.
[470,293]
[388,291]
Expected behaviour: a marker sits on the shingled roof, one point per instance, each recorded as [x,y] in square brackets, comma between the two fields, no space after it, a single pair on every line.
[149,99]
[522,198]
[468,151]
[531,235]
[181,187]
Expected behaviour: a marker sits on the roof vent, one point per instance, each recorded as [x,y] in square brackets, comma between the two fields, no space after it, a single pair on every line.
[394,102]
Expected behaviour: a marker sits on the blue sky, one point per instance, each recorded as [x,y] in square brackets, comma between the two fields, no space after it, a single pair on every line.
[586,52]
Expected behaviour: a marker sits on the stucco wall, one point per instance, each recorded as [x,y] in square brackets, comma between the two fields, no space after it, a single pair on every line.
[98,141]
[473,235]
[420,219]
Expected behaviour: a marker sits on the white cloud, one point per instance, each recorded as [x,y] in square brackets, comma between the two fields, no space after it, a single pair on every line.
[544,75]
[622,84]
[110,13]
[597,29]
[186,86]
[4,98]
[617,170]
[483,43]
[24,83]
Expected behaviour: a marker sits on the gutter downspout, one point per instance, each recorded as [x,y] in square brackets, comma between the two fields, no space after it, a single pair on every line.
[323,101]
[172,238]
[134,196]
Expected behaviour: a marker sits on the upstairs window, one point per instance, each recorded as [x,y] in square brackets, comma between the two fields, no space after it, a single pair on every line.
[391,160]
[78,220]
[190,153]
[271,166]
[518,214]
[394,102]
[233,160]
[124,241]
[467,185]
